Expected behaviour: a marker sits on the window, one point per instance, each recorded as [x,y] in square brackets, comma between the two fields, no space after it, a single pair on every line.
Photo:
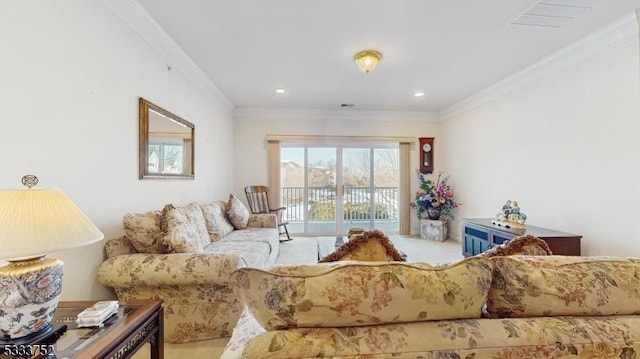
[166,156]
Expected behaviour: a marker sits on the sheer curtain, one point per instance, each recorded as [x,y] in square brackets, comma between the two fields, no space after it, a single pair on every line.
[273,172]
[405,189]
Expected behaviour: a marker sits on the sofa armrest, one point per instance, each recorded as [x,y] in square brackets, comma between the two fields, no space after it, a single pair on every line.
[263,220]
[155,270]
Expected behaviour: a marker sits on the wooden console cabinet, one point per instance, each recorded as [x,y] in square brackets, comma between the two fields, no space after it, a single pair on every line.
[479,234]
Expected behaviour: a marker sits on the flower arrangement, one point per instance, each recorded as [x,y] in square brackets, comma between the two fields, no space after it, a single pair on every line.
[436,194]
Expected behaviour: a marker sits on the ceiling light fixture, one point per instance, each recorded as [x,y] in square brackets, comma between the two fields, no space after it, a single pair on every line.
[280,91]
[367,60]
[418,94]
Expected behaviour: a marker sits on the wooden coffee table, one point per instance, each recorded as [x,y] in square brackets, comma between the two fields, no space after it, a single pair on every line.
[136,323]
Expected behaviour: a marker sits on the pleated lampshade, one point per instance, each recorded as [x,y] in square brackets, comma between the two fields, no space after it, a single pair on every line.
[40,221]
[34,222]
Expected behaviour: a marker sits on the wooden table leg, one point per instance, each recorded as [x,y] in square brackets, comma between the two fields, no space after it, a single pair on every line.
[157,342]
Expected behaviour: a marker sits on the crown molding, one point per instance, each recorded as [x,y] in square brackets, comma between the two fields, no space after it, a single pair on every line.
[134,15]
[598,42]
[342,114]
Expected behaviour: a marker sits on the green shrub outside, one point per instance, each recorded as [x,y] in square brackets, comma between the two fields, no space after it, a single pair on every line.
[326,211]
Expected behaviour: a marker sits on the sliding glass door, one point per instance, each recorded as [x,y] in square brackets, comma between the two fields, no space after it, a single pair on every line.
[329,189]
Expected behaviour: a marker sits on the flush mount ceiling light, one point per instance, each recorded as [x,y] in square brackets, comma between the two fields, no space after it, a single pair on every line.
[367,60]
[280,91]
[418,94]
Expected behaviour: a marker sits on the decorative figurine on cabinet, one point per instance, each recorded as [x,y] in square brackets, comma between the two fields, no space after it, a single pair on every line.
[510,217]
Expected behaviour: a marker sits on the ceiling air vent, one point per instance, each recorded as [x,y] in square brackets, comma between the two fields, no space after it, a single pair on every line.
[554,13]
[347,105]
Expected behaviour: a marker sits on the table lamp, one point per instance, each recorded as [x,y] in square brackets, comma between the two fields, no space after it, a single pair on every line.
[34,222]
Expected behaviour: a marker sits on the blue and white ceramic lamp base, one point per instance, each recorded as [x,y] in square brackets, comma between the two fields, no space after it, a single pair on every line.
[29,295]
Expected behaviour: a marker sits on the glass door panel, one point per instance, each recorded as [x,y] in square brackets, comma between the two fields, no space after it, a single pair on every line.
[328,190]
[321,190]
[386,174]
[356,176]
[292,180]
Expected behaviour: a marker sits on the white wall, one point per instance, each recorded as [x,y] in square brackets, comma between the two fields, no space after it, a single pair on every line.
[251,130]
[567,147]
[71,75]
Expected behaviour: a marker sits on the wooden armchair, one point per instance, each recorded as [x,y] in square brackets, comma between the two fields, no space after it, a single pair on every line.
[258,198]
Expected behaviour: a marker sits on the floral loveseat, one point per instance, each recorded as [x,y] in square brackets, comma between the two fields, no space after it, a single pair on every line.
[481,307]
[184,256]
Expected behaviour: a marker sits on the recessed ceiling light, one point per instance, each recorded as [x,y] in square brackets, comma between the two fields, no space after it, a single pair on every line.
[280,91]
[418,94]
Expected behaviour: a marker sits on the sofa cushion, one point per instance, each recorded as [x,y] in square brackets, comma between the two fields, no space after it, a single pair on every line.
[250,234]
[184,228]
[342,294]
[119,246]
[510,338]
[144,232]
[237,212]
[215,218]
[531,286]
[249,254]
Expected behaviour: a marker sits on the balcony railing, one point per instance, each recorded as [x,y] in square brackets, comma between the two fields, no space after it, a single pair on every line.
[357,203]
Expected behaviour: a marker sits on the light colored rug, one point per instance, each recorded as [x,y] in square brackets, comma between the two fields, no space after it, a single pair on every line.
[424,250]
[300,250]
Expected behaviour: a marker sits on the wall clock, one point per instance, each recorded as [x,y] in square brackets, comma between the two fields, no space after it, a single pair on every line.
[426,154]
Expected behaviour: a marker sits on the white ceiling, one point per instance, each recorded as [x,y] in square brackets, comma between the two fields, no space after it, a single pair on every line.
[449,49]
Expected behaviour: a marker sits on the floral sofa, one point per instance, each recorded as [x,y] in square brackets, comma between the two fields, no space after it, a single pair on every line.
[185,256]
[502,307]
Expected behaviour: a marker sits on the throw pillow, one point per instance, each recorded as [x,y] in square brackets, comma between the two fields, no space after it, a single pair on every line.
[345,294]
[119,246]
[368,246]
[237,212]
[216,220]
[522,245]
[184,229]
[535,286]
[144,232]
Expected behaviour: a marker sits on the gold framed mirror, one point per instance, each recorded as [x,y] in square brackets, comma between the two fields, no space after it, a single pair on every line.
[166,143]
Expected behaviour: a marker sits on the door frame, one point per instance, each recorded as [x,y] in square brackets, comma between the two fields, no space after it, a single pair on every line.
[407,153]
[340,228]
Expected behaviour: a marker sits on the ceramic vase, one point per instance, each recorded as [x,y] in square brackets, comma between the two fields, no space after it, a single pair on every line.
[433,212]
